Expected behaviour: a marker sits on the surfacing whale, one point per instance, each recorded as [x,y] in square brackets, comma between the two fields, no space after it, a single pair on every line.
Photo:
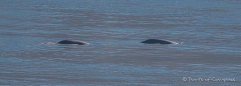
[78,42]
[158,41]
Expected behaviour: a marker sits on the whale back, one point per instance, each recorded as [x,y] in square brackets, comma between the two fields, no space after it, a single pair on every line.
[157,41]
[73,42]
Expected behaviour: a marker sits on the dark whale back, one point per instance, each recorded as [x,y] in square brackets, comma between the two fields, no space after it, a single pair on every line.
[73,42]
[158,41]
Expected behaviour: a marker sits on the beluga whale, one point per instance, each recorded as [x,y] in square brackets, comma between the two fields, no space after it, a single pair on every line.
[78,42]
[158,41]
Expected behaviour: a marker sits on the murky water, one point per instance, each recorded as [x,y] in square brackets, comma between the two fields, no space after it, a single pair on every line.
[208,34]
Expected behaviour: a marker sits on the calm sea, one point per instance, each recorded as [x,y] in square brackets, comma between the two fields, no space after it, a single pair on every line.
[208,33]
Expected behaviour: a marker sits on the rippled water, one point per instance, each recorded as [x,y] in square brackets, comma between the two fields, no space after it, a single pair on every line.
[208,34]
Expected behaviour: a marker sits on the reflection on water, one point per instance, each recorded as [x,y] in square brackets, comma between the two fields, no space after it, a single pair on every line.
[208,33]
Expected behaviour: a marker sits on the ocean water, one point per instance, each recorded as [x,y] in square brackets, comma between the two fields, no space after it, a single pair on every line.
[208,33]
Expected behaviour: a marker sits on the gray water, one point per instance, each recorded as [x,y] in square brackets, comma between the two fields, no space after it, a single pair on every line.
[208,33]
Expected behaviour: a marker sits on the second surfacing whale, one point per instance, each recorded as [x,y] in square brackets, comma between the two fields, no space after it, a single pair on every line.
[158,41]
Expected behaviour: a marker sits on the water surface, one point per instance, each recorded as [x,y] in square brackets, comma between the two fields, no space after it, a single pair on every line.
[208,33]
